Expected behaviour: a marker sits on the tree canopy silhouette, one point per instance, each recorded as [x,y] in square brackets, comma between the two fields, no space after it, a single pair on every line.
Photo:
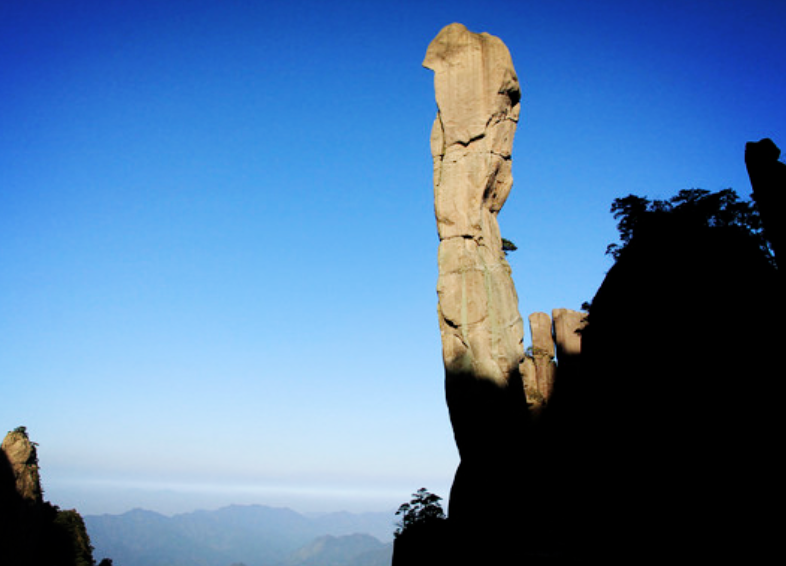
[694,207]
[423,509]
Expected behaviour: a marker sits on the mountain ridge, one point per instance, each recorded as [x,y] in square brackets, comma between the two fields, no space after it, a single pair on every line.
[254,535]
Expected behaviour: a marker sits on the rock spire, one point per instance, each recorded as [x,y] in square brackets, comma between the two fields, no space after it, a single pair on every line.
[477,92]
[23,463]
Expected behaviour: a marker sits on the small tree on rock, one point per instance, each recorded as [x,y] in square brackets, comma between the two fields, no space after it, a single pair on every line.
[508,246]
[423,509]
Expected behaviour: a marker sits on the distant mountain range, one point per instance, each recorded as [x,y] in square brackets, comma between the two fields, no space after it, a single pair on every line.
[250,535]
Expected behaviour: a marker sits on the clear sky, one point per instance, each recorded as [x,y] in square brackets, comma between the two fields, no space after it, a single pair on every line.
[217,237]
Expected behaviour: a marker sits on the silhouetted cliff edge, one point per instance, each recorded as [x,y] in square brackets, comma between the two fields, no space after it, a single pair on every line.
[34,532]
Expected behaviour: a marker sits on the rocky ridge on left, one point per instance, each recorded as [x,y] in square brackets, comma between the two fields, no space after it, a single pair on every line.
[33,531]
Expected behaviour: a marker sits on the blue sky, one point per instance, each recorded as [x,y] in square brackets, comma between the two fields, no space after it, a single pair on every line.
[217,232]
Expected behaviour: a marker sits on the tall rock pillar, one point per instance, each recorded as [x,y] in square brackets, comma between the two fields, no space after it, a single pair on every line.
[478,95]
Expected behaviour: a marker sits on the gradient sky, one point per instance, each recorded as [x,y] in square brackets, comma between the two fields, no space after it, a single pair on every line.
[217,237]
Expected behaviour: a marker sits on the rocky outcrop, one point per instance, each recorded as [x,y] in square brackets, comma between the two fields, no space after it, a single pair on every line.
[505,503]
[768,179]
[551,341]
[672,404]
[23,460]
[568,325]
[477,92]
[478,95]
[478,99]
[657,412]
[538,370]
[33,532]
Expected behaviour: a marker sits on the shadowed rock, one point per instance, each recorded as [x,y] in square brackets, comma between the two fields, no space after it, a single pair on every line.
[768,179]
[567,332]
[676,420]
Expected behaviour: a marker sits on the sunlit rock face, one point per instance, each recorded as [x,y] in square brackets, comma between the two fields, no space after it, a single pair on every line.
[23,460]
[478,94]
[539,370]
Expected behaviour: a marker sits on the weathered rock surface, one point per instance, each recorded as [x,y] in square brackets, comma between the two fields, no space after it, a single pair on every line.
[478,99]
[478,94]
[22,457]
[567,331]
[538,372]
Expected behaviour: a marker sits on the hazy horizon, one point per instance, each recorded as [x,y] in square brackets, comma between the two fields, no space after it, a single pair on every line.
[118,497]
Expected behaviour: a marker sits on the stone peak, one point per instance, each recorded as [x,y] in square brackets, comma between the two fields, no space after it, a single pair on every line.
[23,459]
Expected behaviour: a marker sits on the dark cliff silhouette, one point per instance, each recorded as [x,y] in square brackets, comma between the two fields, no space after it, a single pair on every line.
[662,438]
[33,532]
[672,429]
[768,179]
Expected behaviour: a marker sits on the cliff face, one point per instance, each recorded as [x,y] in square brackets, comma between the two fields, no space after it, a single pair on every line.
[34,532]
[672,405]
[23,460]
